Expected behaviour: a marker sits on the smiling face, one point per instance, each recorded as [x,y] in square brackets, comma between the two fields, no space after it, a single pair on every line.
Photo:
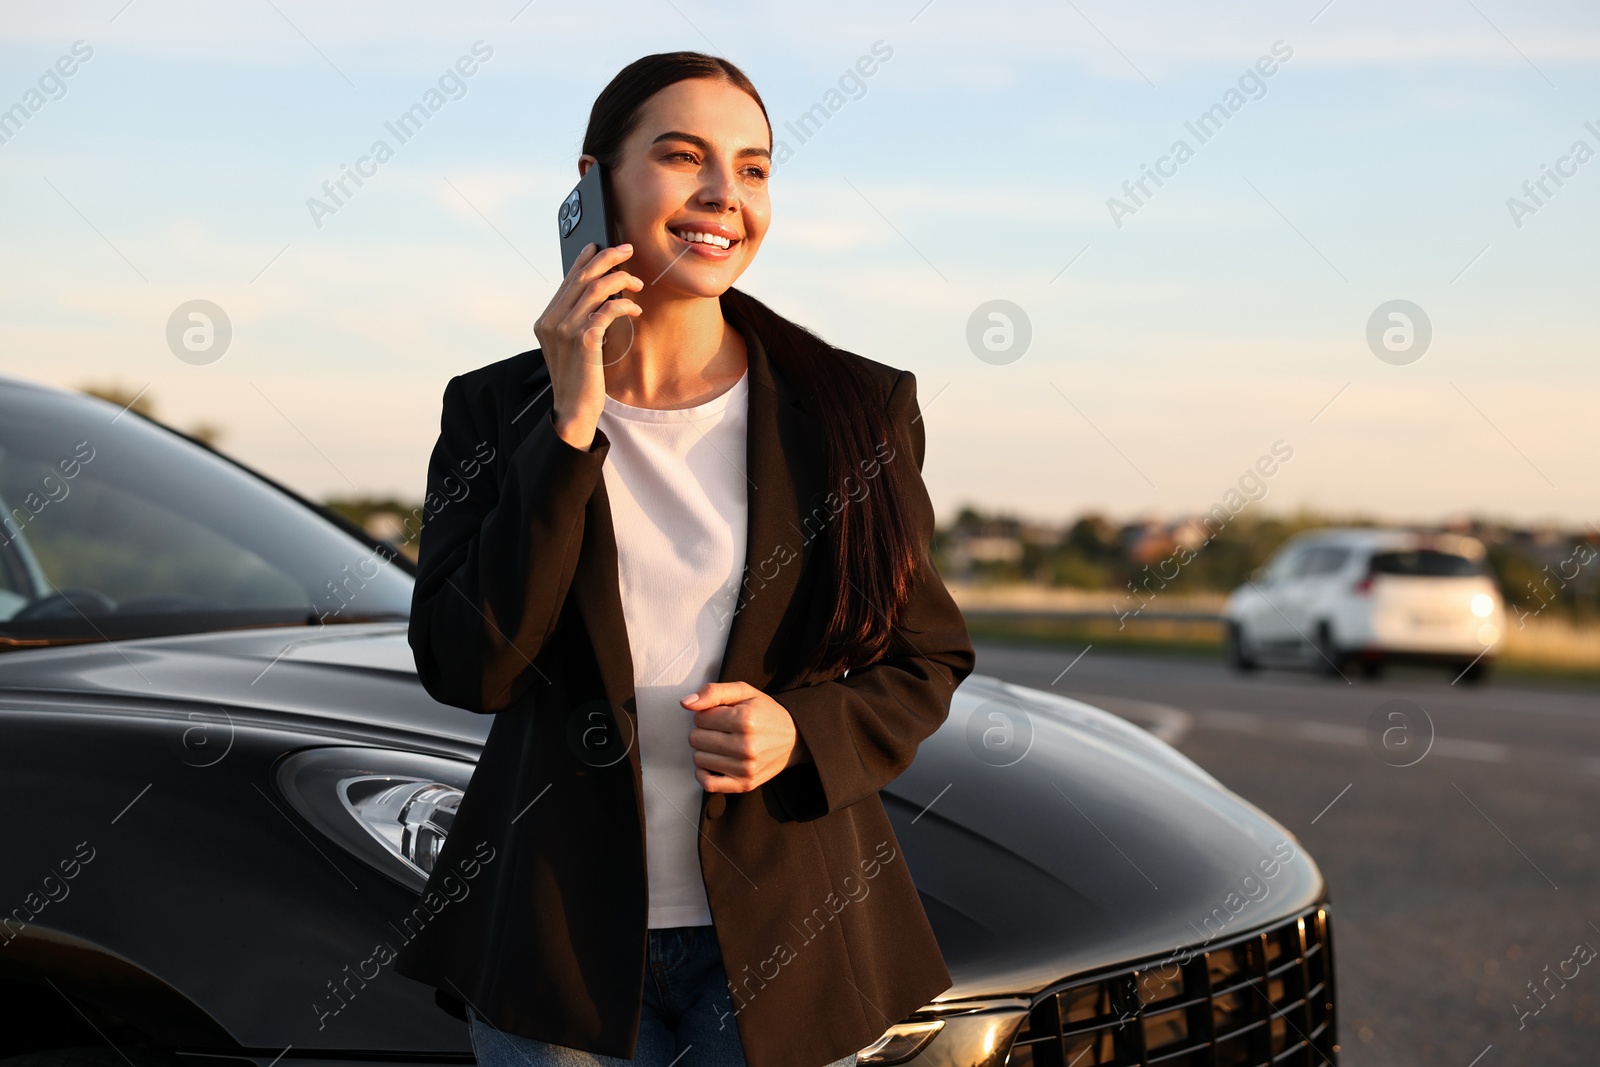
[692,178]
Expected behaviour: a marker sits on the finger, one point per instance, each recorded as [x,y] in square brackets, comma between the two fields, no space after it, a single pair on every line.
[710,740]
[581,315]
[714,693]
[586,270]
[585,254]
[601,318]
[724,718]
[595,302]
[609,285]
[602,262]
[732,766]
[729,776]
[717,783]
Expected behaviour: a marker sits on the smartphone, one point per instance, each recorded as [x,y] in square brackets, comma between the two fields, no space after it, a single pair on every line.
[583,217]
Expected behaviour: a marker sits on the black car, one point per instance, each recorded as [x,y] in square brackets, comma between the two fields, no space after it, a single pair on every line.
[226,788]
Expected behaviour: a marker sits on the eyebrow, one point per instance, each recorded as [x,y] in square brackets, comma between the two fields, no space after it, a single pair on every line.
[705,146]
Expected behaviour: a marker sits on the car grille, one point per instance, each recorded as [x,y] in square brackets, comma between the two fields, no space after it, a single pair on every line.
[1256,999]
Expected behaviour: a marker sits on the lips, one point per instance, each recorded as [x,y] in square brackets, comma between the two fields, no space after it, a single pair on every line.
[705,248]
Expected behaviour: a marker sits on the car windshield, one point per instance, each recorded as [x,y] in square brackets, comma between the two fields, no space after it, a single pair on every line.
[1425,563]
[114,527]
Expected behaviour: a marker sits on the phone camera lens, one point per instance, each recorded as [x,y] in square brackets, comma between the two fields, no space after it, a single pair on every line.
[571,212]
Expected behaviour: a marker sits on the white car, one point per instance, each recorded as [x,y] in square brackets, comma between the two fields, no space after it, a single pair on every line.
[1341,598]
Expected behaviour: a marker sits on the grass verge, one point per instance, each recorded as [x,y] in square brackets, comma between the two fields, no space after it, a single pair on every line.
[1201,638]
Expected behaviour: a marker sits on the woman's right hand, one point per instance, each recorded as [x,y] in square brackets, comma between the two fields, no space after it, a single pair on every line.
[571,332]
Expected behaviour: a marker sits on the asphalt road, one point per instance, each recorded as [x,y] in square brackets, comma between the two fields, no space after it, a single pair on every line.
[1461,855]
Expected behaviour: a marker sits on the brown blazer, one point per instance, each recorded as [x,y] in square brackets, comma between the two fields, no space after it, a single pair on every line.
[536,909]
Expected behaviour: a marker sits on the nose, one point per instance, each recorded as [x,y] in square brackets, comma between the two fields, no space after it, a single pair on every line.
[720,188]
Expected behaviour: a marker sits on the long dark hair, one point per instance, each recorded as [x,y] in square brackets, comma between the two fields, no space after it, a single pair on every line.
[872,557]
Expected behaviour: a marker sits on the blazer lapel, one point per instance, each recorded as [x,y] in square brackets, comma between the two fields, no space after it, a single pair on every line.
[785,463]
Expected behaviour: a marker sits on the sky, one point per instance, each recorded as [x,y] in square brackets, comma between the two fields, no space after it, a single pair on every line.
[1175,334]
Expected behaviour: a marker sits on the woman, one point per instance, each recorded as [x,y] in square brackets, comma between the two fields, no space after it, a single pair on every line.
[679,552]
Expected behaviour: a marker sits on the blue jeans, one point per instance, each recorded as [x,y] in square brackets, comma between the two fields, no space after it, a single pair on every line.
[686,1010]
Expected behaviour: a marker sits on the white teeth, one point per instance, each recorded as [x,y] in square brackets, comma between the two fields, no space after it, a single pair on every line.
[704,238]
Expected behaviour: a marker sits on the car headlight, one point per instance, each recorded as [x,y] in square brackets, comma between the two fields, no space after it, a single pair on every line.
[388,808]
[1482,605]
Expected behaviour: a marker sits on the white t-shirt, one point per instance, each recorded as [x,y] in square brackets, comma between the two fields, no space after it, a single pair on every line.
[676,483]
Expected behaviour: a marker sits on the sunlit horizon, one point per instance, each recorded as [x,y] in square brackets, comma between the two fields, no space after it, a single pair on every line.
[1180,327]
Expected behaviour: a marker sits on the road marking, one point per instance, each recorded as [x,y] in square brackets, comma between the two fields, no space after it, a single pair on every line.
[1336,733]
[1484,751]
[1170,724]
[1332,732]
[1162,721]
[1232,720]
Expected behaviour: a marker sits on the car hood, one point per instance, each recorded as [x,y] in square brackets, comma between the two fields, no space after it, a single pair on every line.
[1048,838]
